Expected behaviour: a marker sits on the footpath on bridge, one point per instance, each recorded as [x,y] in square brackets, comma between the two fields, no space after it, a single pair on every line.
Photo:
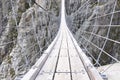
[64,60]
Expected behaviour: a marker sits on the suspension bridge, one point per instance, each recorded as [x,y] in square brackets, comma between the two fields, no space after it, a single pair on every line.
[64,59]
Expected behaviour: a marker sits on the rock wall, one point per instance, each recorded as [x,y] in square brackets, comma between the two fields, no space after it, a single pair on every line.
[26,30]
[90,25]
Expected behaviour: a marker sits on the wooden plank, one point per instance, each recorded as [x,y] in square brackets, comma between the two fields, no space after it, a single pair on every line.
[76,64]
[70,43]
[77,68]
[47,71]
[49,66]
[63,65]
[45,76]
[57,45]
[73,52]
[64,44]
[80,76]
[63,53]
[63,62]
[62,76]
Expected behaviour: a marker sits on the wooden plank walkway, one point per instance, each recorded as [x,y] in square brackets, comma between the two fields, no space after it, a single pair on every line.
[64,62]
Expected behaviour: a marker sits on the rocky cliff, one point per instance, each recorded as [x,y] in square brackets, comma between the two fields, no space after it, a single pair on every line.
[26,30]
[95,25]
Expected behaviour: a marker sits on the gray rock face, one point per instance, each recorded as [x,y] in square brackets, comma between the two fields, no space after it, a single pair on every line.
[92,33]
[4,9]
[28,31]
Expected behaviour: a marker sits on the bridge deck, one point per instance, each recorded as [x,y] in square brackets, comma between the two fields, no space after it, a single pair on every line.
[63,62]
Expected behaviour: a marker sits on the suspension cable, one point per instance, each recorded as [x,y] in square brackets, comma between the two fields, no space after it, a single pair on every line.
[39,5]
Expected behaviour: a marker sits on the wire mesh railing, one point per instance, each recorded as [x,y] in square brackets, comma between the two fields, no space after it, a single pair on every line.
[91,36]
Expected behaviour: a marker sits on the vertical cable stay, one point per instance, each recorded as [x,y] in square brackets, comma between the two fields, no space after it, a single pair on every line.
[100,49]
[108,31]
[90,38]
[39,5]
[100,36]
[93,34]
